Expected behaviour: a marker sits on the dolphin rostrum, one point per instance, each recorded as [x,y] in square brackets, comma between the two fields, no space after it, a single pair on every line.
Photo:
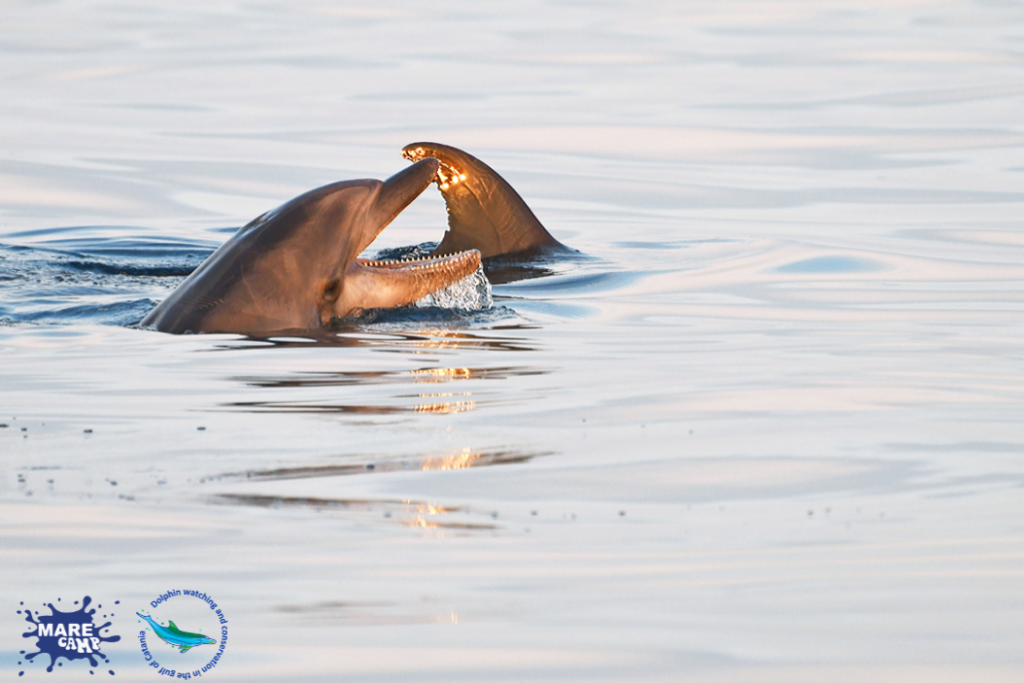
[297,267]
[175,637]
[484,212]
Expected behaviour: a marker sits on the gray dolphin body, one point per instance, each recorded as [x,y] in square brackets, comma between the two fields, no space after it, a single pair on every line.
[296,268]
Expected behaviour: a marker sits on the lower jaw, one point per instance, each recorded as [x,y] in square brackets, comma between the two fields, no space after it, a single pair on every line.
[448,282]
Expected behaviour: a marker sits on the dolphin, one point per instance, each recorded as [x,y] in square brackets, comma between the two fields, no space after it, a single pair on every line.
[297,267]
[484,212]
[175,637]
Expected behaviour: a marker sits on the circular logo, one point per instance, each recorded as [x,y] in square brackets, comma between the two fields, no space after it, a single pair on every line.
[182,633]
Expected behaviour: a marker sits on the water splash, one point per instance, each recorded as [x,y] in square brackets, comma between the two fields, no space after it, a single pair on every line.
[471,293]
[71,635]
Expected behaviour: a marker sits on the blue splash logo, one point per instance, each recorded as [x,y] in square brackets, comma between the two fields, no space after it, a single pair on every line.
[71,635]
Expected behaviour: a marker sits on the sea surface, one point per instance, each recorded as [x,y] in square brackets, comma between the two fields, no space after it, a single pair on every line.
[769,426]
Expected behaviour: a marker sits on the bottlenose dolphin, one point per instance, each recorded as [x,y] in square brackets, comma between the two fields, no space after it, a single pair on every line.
[175,637]
[484,212]
[296,267]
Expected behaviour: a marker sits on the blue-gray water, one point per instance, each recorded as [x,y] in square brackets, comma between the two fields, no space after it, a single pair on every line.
[770,428]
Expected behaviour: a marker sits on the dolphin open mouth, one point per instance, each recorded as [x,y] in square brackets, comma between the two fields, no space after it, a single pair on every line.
[388,283]
[456,262]
[454,281]
[417,277]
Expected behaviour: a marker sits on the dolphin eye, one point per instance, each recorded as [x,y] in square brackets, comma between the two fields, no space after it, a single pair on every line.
[332,290]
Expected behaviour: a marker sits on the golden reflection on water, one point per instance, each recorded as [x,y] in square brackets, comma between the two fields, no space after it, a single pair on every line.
[446,408]
[456,461]
[422,522]
[422,508]
[441,374]
[438,339]
[445,338]
[448,460]
[424,511]
[427,402]
[408,513]
[405,512]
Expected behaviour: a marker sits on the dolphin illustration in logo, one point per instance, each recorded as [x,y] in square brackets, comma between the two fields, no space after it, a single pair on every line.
[175,637]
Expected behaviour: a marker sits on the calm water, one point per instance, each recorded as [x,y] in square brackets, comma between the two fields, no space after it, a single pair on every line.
[769,429]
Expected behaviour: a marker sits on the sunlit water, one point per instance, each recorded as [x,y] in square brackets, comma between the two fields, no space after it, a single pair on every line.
[767,426]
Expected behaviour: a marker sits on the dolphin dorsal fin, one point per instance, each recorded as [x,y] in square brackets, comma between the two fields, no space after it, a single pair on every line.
[484,212]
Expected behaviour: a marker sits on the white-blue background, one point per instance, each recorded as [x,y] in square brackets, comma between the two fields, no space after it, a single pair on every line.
[771,432]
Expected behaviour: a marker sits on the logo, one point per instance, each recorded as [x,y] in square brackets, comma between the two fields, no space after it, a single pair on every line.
[175,637]
[204,625]
[69,635]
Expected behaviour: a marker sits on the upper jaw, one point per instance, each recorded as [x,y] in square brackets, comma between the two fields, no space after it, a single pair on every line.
[396,193]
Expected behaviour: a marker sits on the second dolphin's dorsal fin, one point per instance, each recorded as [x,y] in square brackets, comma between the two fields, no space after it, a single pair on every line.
[484,211]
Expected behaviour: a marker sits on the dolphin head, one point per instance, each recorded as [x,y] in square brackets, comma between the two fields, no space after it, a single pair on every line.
[297,267]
